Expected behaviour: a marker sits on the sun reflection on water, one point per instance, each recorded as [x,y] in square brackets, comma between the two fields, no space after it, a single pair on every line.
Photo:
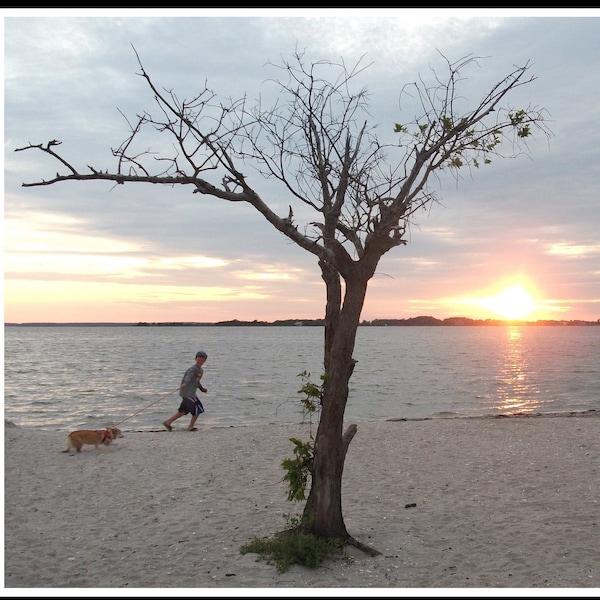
[516,391]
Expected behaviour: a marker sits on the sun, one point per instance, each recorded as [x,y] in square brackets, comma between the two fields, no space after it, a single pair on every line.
[512,303]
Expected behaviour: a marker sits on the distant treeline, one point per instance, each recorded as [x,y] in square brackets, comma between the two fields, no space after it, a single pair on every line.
[413,321]
[454,321]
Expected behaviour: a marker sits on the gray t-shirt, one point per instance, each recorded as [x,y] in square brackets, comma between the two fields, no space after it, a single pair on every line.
[191,378]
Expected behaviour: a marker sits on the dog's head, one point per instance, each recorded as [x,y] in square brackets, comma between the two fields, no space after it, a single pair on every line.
[115,433]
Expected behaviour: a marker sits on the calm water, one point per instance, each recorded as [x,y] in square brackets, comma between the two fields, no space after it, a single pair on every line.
[63,378]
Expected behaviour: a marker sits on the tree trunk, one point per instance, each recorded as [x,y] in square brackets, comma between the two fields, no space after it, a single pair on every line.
[323,511]
[333,305]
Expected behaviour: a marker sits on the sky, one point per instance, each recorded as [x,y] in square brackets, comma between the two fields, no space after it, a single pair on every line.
[516,239]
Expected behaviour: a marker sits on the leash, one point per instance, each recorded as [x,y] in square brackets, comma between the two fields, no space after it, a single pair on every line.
[145,407]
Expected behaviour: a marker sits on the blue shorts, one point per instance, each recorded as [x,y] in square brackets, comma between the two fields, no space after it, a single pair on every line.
[192,406]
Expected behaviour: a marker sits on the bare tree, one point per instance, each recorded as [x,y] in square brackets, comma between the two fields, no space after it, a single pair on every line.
[351,197]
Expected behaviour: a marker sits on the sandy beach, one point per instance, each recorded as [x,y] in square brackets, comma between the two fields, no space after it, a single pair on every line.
[502,504]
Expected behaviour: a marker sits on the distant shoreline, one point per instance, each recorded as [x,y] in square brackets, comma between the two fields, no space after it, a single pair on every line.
[413,321]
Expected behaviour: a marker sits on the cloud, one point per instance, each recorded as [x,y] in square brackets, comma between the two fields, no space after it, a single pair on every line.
[76,79]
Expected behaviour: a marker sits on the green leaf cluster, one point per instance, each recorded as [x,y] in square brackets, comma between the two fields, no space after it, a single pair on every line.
[481,142]
[517,119]
[313,393]
[298,469]
[293,547]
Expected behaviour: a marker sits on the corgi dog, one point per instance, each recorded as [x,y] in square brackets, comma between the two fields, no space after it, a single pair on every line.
[92,437]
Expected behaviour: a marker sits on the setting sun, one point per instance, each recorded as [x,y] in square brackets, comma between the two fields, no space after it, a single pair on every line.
[512,303]
[509,300]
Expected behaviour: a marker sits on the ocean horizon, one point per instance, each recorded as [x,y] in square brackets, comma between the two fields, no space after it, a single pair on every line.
[423,320]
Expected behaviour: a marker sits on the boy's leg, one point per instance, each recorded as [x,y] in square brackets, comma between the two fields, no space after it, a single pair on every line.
[176,416]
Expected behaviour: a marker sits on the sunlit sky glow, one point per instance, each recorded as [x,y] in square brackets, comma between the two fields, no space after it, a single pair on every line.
[518,239]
